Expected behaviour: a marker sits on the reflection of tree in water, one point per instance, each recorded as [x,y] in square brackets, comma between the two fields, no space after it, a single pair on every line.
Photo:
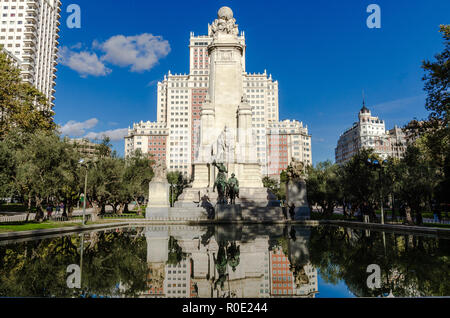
[176,254]
[410,265]
[38,268]
[205,239]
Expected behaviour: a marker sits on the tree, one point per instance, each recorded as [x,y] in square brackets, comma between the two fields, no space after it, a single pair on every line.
[360,184]
[417,181]
[22,106]
[137,176]
[437,80]
[105,185]
[177,184]
[39,167]
[323,185]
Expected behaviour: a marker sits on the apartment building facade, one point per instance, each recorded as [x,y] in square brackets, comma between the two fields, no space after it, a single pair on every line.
[29,31]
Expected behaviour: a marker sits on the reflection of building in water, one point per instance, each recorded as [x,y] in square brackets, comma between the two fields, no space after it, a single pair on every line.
[178,281]
[212,267]
[282,277]
[309,288]
[283,281]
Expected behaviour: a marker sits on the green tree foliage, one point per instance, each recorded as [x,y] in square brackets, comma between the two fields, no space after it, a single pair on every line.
[41,169]
[22,106]
[437,80]
[177,184]
[360,183]
[323,186]
[411,266]
[137,176]
[417,180]
[115,182]
[110,259]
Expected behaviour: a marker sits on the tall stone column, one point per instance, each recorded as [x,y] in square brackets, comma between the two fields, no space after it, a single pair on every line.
[245,133]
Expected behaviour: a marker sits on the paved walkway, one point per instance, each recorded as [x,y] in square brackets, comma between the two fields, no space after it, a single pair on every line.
[340,211]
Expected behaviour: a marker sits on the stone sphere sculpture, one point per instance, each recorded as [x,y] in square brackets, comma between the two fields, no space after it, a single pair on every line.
[225,13]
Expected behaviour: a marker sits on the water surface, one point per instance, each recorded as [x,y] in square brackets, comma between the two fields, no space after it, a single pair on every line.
[226,261]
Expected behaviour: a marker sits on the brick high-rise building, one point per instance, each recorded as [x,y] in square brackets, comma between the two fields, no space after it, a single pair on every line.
[29,31]
[287,140]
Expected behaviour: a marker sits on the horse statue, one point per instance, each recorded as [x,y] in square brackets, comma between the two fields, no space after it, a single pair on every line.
[221,183]
[233,189]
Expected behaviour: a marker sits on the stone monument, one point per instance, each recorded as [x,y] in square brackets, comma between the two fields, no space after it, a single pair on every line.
[296,190]
[226,136]
[158,196]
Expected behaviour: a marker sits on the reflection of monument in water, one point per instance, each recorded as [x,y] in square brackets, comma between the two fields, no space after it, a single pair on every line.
[217,262]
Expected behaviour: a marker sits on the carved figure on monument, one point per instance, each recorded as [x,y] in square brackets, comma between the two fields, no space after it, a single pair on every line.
[160,171]
[233,189]
[225,23]
[295,171]
[225,146]
[221,182]
[220,153]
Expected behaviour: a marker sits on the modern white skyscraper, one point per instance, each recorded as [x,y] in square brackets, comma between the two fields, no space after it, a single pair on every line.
[181,97]
[29,31]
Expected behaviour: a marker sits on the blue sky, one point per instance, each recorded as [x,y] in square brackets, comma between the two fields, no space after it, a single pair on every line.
[321,52]
[328,290]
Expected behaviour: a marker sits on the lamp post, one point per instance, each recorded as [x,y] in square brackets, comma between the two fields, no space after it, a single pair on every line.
[82,162]
[377,165]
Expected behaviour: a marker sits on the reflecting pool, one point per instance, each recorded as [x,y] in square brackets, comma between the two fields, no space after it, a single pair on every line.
[226,261]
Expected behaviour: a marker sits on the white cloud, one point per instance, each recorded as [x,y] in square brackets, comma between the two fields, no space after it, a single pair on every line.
[114,135]
[399,104]
[76,129]
[141,52]
[85,63]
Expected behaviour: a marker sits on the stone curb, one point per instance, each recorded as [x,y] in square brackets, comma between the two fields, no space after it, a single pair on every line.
[393,227]
[60,230]
[128,222]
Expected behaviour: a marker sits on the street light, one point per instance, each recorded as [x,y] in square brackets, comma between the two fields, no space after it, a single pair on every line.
[83,163]
[375,164]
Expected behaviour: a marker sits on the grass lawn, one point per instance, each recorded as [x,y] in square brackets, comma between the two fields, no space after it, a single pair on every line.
[443,226]
[22,226]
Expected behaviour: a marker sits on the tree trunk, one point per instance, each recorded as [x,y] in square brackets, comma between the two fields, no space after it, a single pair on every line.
[139,207]
[409,219]
[70,209]
[419,219]
[29,209]
[39,212]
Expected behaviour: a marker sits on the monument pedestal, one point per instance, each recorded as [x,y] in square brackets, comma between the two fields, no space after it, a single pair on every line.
[296,195]
[205,197]
[228,212]
[158,200]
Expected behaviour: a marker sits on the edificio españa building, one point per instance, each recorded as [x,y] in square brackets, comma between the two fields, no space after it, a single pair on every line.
[29,31]
[181,99]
